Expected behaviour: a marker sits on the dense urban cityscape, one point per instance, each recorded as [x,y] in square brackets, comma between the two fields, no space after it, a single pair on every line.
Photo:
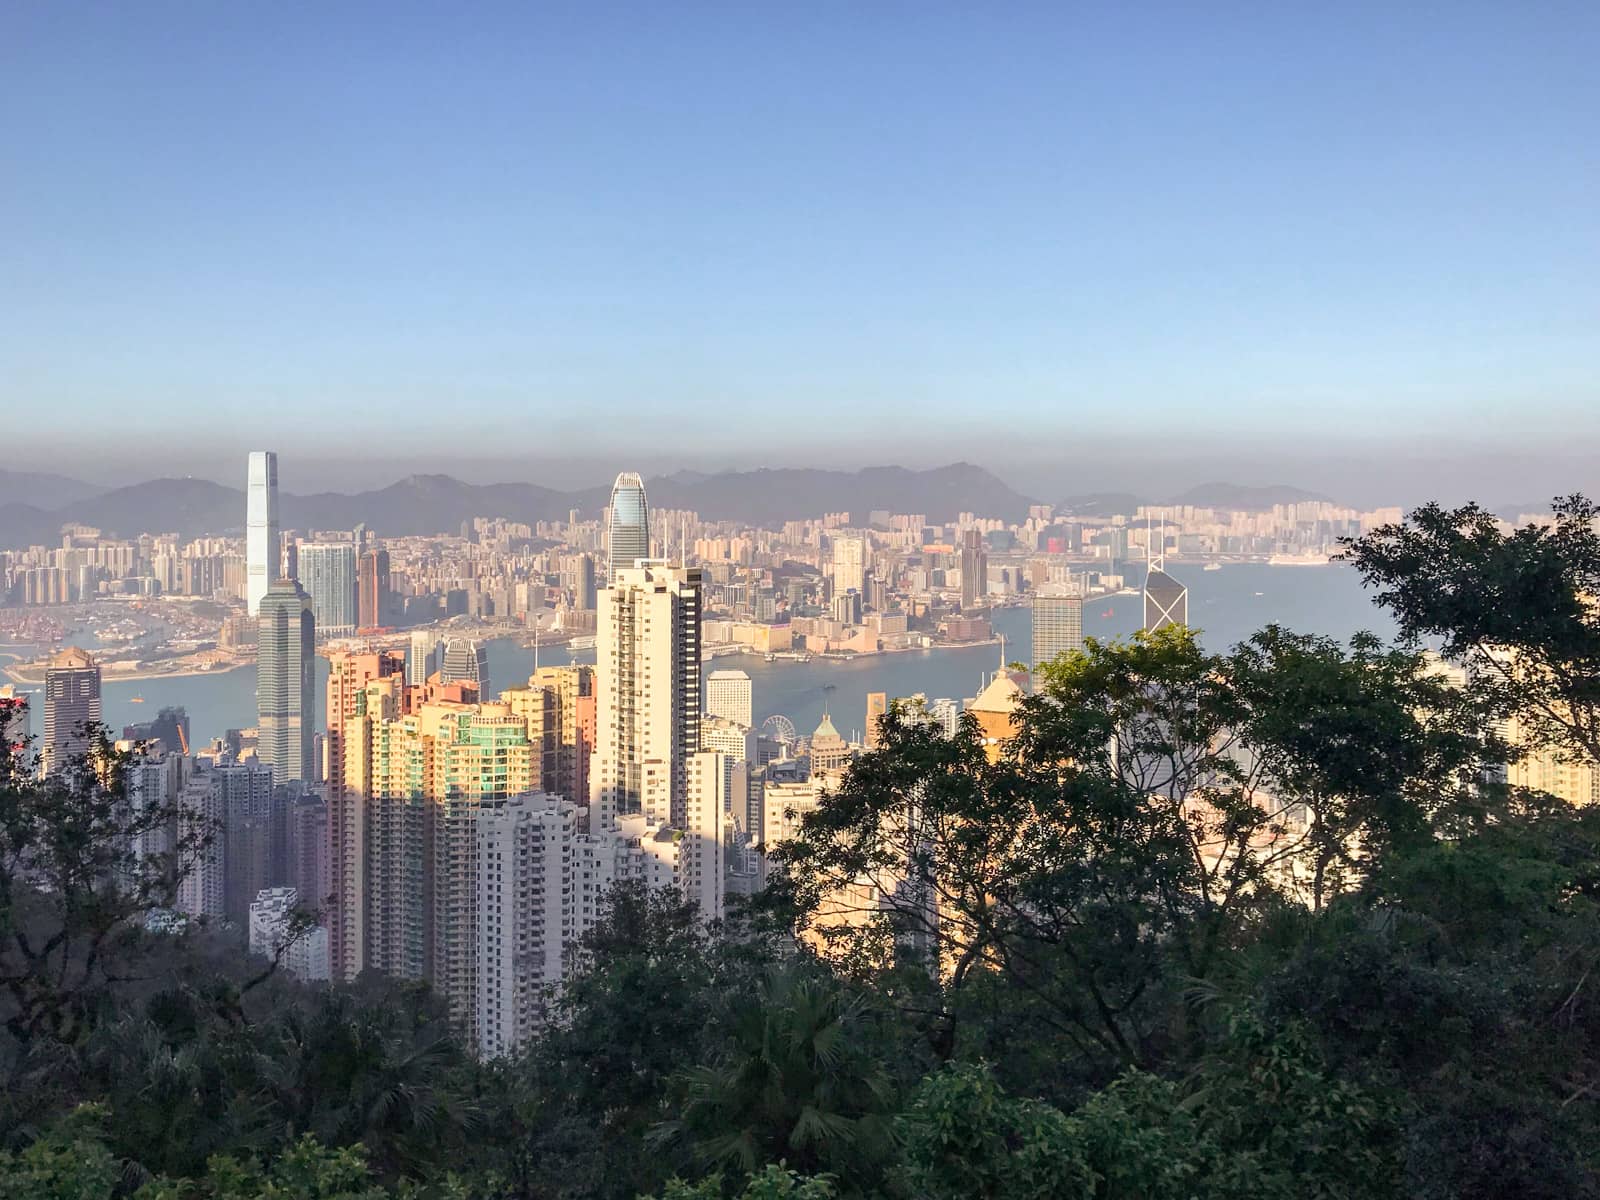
[439,825]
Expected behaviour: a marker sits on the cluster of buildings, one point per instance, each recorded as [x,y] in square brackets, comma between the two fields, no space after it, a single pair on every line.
[439,830]
[436,828]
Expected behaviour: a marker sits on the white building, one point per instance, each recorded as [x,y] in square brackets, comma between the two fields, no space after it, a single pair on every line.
[541,885]
[647,704]
[527,899]
[262,549]
[307,957]
[729,695]
[849,565]
[703,834]
[740,749]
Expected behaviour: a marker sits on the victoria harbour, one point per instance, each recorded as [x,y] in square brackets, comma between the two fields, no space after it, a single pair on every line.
[1226,606]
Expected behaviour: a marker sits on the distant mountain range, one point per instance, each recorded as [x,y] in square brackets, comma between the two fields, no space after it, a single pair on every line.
[422,504]
[43,490]
[33,508]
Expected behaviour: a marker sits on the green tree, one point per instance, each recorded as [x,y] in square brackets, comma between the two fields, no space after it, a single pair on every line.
[1522,608]
[74,885]
[1154,803]
[646,992]
[796,1082]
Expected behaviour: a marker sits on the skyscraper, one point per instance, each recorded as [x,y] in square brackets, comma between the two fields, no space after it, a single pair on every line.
[729,695]
[372,589]
[1057,623]
[286,671]
[465,660]
[261,527]
[628,534]
[1166,601]
[526,891]
[877,707]
[849,565]
[974,569]
[246,803]
[71,704]
[352,706]
[328,573]
[553,705]
[648,694]
[423,655]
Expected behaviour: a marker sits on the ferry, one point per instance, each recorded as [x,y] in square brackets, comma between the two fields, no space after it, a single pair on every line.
[1212,566]
[586,642]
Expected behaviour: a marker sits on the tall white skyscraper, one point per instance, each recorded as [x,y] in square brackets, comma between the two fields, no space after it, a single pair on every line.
[729,695]
[849,565]
[261,549]
[628,531]
[647,703]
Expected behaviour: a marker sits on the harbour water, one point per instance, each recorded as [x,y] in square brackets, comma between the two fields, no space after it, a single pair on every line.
[1226,606]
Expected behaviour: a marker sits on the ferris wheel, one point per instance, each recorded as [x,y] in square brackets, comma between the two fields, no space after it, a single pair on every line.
[780,727]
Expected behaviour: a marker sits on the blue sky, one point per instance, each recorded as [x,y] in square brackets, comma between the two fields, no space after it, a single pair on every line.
[735,229]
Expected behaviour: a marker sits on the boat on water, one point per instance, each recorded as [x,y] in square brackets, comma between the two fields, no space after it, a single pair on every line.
[135,699]
[581,643]
[1212,566]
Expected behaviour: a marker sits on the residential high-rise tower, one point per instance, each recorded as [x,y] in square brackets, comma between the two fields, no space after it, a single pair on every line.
[849,565]
[648,694]
[328,573]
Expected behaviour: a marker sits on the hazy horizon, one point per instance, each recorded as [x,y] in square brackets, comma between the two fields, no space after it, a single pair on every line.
[1511,477]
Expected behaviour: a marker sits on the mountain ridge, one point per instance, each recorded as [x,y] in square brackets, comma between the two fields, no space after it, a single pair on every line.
[426,504]
[421,504]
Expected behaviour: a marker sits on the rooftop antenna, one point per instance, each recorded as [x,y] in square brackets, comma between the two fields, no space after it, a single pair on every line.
[536,643]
